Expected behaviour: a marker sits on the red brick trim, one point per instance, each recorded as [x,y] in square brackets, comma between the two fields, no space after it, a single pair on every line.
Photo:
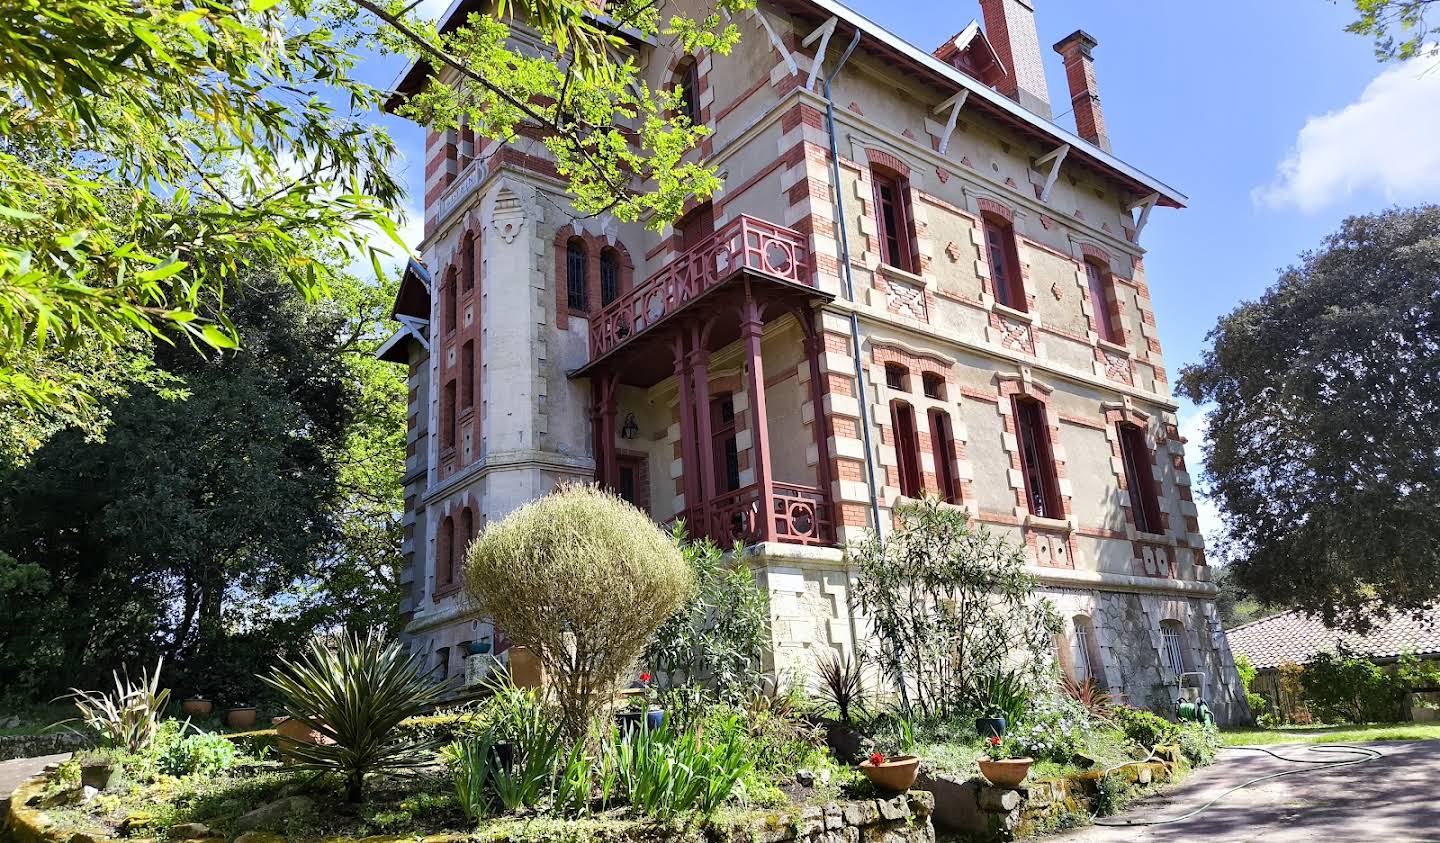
[1090,250]
[987,205]
[884,159]
[594,246]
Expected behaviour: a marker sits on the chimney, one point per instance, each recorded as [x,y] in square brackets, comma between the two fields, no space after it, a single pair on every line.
[1010,27]
[1084,92]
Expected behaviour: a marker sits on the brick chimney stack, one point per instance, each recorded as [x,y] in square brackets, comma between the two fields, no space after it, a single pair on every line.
[1084,91]
[1010,28]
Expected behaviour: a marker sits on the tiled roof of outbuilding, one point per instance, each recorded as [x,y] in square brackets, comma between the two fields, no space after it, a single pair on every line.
[1296,637]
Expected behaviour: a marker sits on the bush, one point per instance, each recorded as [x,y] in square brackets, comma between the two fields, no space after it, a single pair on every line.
[1199,743]
[128,718]
[1143,727]
[583,579]
[664,772]
[1055,729]
[355,695]
[199,754]
[1339,688]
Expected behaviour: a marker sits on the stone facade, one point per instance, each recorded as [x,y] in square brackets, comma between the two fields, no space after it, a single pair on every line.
[1004,323]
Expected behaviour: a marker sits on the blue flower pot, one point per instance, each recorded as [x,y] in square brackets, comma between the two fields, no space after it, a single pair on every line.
[477,648]
[629,721]
[655,719]
[989,726]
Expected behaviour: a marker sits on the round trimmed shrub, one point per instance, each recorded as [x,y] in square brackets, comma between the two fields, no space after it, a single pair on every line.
[583,579]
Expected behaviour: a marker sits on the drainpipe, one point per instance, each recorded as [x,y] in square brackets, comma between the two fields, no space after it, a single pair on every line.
[849,282]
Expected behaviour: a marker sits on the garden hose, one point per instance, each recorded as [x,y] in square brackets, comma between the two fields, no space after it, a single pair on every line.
[1359,755]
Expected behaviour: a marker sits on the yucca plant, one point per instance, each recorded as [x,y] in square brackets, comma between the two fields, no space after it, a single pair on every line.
[842,683]
[355,695]
[1096,700]
[128,718]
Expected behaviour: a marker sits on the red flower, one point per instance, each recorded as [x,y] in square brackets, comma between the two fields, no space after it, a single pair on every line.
[877,759]
[994,740]
[645,677]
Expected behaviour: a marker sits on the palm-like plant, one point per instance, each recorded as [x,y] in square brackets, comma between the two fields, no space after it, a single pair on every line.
[842,683]
[355,695]
[127,718]
[1096,700]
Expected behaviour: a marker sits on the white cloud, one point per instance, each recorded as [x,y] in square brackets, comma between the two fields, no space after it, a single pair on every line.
[1193,426]
[1386,142]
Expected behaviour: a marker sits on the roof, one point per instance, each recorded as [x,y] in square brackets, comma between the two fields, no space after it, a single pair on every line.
[913,58]
[1296,637]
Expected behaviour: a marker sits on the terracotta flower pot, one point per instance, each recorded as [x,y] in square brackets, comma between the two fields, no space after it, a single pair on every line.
[98,774]
[240,718]
[893,774]
[297,733]
[1007,772]
[197,707]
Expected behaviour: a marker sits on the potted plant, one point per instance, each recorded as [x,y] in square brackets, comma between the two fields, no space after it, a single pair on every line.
[641,702]
[97,771]
[478,648]
[1003,698]
[1002,767]
[895,773]
[197,707]
[240,717]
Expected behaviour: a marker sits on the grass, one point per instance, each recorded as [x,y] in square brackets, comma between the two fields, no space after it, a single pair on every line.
[1247,736]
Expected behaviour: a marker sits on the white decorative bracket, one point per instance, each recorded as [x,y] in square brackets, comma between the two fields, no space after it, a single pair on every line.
[955,103]
[775,39]
[823,32]
[1056,157]
[1145,205]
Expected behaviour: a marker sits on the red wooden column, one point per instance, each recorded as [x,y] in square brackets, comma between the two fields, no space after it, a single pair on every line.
[597,433]
[609,385]
[700,383]
[689,476]
[814,347]
[751,328]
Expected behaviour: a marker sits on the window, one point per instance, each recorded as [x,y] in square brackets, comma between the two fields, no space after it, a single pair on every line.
[445,553]
[442,664]
[907,448]
[609,276]
[1087,652]
[687,78]
[1004,262]
[447,416]
[722,437]
[631,485]
[896,377]
[447,301]
[696,227]
[1099,281]
[1175,655]
[467,262]
[933,386]
[892,214]
[942,440]
[467,375]
[1140,479]
[465,535]
[1037,464]
[576,290]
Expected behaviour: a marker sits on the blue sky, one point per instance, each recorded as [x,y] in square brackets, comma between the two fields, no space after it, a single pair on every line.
[1267,114]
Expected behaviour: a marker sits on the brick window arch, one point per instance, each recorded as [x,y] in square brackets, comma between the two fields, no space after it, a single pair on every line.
[1004,259]
[577,292]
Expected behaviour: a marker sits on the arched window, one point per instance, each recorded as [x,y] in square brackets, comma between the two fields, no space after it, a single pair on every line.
[1004,261]
[467,262]
[1140,479]
[576,284]
[465,534]
[892,215]
[1088,666]
[687,78]
[447,415]
[933,386]
[609,275]
[1037,463]
[445,553]
[1098,279]
[1177,655]
[907,448]
[942,441]
[897,377]
[447,301]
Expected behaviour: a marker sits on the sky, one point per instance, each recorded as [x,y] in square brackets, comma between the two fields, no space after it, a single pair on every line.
[1275,122]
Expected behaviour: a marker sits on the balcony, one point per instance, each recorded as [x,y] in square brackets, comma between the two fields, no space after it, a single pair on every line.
[766,254]
[798,515]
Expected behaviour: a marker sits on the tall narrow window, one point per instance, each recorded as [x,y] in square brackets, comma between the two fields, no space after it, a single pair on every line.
[442,664]
[1174,635]
[464,535]
[609,275]
[942,440]
[467,262]
[445,553]
[1037,464]
[722,436]
[1140,479]
[447,301]
[1004,262]
[447,415]
[467,375]
[1099,281]
[1087,652]
[688,79]
[907,448]
[892,213]
[576,284]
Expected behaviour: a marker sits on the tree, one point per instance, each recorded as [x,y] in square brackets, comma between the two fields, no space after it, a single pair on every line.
[1397,26]
[950,605]
[584,580]
[1322,453]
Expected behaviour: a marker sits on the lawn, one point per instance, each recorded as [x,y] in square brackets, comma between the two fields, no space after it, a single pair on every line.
[1244,736]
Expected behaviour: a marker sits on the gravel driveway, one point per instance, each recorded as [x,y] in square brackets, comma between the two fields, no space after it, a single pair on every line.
[1391,799]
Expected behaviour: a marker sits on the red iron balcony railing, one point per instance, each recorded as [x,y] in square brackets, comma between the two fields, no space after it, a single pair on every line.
[744,243]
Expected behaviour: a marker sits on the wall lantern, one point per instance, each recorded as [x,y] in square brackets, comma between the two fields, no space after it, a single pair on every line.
[630,429]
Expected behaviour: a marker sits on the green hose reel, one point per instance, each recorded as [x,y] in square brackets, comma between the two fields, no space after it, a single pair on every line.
[1195,711]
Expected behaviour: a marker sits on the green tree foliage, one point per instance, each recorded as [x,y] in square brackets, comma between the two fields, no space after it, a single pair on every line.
[1398,27]
[716,639]
[1343,688]
[950,606]
[1321,449]
[216,528]
[584,580]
